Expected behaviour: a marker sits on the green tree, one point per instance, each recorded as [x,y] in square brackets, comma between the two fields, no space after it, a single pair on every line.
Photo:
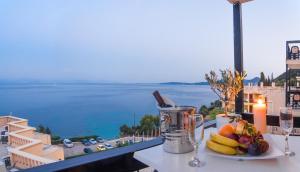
[55,140]
[214,112]
[149,123]
[125,130]
[55,137]
[272,77]
[203,110]
[262,77]
[47,130]
[268,81]
[217,103]
[40,129]
[156,121]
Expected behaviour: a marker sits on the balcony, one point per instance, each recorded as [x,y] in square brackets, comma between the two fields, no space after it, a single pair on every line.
[293,64]
[121,159]
[292,55]
[33,151]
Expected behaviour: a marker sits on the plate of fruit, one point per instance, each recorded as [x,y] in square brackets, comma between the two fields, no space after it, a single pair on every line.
[241,141]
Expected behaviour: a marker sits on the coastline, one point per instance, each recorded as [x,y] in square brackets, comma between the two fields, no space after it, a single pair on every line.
[77,110]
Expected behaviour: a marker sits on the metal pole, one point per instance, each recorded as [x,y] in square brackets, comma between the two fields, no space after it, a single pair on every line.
[286,75]
[286,85]
[134,120]
[238,52]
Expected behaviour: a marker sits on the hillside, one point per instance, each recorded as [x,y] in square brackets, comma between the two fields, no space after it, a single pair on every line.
[282,76]
[254,80]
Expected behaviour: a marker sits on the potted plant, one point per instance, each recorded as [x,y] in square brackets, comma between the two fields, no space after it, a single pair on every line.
[227,89]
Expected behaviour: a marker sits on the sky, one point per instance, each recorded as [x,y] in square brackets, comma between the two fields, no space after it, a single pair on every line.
[140,40]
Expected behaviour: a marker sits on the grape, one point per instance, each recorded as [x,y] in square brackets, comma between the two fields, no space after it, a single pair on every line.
[234,137]
[253,149]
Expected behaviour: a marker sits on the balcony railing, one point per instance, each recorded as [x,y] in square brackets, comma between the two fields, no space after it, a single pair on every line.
[114,160]
[121,159]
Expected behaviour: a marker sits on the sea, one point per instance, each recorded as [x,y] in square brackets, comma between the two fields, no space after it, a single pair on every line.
[78,109]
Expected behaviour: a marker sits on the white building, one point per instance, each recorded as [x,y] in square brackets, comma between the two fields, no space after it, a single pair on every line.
[275,97]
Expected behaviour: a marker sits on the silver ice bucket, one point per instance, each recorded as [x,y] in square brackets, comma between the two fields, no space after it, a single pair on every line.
[173,127]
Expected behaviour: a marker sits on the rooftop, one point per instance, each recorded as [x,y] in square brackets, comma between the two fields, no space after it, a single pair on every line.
[28,148]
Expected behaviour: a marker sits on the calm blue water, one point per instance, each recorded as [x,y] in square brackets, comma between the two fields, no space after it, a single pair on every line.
[86,109]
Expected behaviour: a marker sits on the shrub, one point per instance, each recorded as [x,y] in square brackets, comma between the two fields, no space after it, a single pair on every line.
[214,112]
[56,140]
[79,138]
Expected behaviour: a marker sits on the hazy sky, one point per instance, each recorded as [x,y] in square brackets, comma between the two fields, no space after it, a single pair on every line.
[140,40]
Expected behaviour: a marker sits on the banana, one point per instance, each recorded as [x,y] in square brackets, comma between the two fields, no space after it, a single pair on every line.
[220,148]
[224,140]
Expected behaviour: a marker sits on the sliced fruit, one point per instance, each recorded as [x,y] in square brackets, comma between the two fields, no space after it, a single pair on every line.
[224,140]
[240,127]
[227,130]
[249,130]
[220,148]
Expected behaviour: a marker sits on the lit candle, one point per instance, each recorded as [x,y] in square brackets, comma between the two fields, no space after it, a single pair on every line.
[260,116]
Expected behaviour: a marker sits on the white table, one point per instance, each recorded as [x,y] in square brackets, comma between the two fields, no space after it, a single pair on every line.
[162,161]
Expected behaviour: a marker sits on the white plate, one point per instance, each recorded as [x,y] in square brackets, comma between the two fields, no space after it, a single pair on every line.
[272,153]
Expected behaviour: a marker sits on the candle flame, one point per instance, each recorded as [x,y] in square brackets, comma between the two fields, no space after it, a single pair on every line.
[260,101]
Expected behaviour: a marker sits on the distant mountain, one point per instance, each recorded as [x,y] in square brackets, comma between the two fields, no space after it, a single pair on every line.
[31,81]
[293,74]
[36,81]
[280,80]
[184,83]
[254,81]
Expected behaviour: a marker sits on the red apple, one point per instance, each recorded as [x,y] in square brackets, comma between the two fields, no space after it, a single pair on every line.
[240,127]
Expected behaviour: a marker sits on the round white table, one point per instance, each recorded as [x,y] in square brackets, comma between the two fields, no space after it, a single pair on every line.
[162,161]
